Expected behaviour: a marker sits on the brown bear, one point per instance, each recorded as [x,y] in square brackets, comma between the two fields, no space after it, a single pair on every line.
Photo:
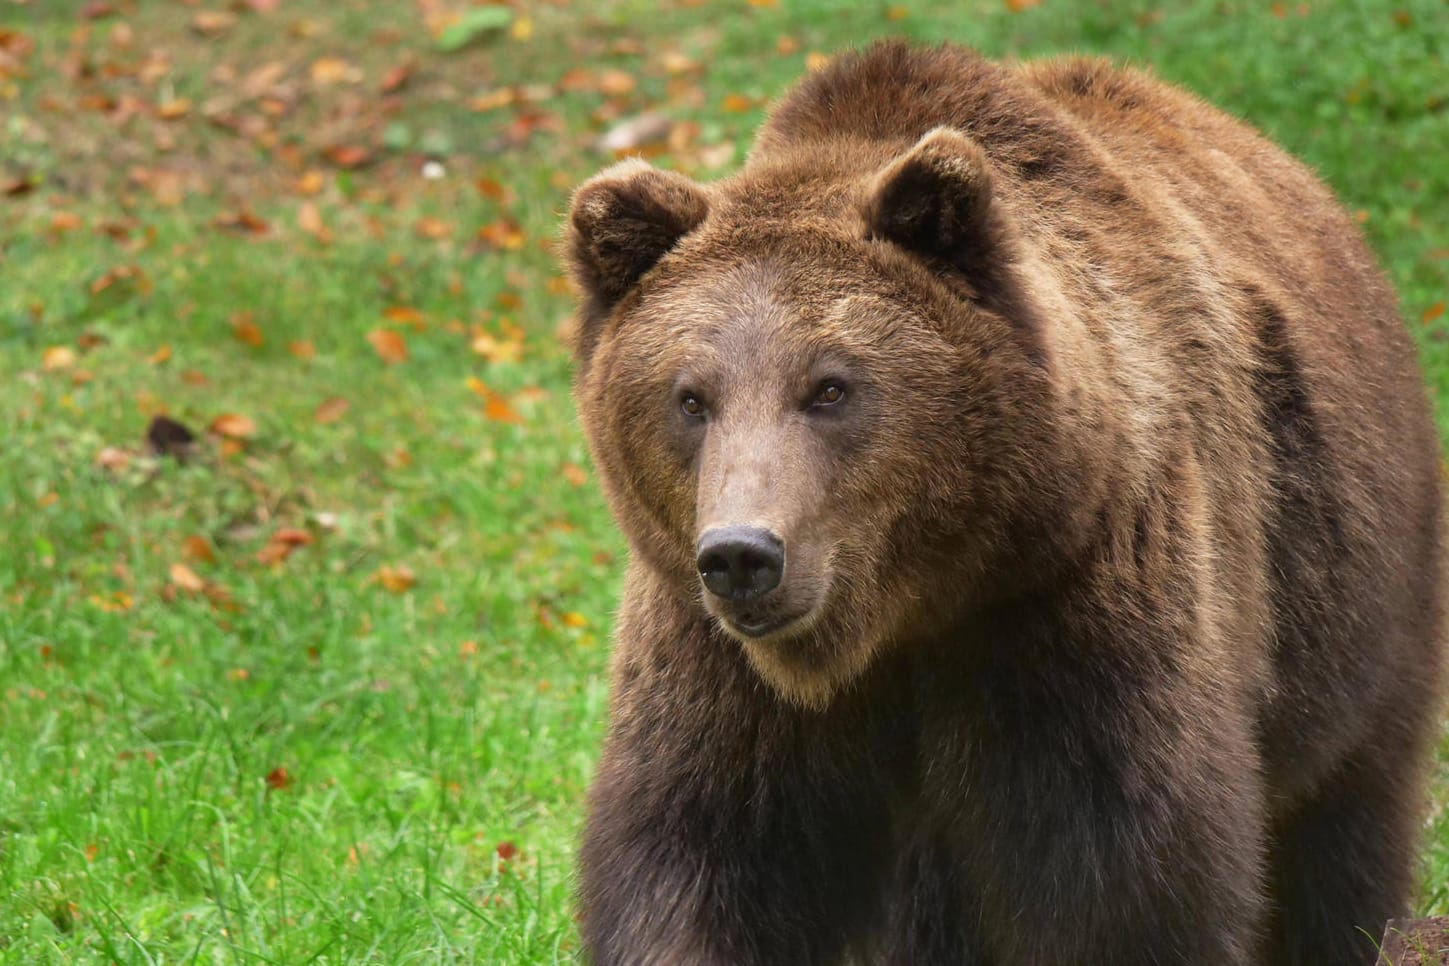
[1035,536]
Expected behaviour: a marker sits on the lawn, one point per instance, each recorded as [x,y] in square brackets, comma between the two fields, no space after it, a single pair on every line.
[325,683]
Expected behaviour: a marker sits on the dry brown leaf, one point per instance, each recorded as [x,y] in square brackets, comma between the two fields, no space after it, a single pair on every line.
[432,228]
[244,329]
[213,23]
[395,78]
[388,345]
[334,70]
[302,349]
[160,356]
[404,315]
[331,410]
[616,83]
[497,350]
[233,426]
[197,547]
[186,578]
[396,579]
[575,474]
[348,155]
[498,410]
[309,219]
[278,779]
[113,458]
[173,110]
[57,358]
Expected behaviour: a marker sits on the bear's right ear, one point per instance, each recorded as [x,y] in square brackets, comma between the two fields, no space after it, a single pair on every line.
[622,221]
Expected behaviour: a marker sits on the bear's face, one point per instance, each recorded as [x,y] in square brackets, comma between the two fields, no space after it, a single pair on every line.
[794,417]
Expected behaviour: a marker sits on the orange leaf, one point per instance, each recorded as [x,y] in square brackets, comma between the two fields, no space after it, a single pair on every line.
[212,23]
[57,357]
[432,228]
[309,219]
[497,409]
[574,619]
[575,474]
[404,315]
[331,410]
[495,350]
[197,548]
[186,578]
[389,345]
[174,109]
[616,83]
[396,579]
[735,103]
[245,330]
[278,779]
[1433,312]
[302,349]
[395,78]
[334,70]
[161,355]
[233,426]
[348,155]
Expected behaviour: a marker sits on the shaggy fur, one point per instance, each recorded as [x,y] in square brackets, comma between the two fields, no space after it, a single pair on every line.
[1109,630]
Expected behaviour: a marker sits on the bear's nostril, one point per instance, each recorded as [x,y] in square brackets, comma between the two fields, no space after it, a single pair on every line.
[740,563]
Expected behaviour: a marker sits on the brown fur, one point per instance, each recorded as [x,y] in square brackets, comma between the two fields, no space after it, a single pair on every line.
[1109,623]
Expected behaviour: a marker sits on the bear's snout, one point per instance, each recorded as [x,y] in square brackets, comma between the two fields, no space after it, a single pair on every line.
[740,563]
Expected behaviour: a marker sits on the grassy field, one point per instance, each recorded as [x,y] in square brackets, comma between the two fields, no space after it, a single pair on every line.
[325,684]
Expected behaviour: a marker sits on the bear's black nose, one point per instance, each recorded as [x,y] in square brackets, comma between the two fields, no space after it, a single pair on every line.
[740,563]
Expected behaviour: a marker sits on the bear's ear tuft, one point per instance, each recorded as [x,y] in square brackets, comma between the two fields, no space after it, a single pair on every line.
[937,200]
[622,221]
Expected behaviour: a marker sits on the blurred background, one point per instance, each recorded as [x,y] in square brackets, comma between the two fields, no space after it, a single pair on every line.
[305,581]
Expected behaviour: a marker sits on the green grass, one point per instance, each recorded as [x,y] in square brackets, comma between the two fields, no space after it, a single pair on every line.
[308,760]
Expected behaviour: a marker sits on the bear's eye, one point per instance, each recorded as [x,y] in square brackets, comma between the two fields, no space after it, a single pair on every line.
[829,394]
[691,405]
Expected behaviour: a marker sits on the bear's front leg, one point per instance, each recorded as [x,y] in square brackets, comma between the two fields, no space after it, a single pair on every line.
[1111,810]
[727,828]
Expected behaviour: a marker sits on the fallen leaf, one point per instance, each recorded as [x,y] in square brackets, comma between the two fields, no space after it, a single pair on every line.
[404,315]
[575,474]
[389,345]
[196,547]
[281,544]
[113,458]
[497,350]
[334,70]
[233,426]
[186,578]
[213,23]
[1433,312]
[278,779]
[616,83]
[395,78]
[574,619]
[57,357]
[309,219]
[173,110]
[498,410]
[432,228]
[396,579]
[348,155]
[650,127]
[243,221]
[735,103]
[161,355]
[246,330]
[331,410]
[302,349]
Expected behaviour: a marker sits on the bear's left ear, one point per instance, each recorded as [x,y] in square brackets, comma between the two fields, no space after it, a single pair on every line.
[622,221]
[937,200]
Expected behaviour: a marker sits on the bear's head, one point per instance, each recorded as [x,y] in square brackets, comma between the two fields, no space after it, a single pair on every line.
[816,393]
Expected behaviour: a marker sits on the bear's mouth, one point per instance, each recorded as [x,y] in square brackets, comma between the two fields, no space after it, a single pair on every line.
[756,626]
